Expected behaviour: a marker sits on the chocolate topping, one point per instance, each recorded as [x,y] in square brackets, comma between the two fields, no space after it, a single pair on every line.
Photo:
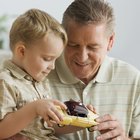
[76,108]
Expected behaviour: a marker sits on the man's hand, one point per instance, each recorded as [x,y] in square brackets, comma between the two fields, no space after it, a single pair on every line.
[110,128]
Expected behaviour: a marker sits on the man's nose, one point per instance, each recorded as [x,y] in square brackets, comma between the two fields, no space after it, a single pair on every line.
[83,55]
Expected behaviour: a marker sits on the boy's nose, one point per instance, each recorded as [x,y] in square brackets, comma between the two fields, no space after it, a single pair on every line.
[52,65]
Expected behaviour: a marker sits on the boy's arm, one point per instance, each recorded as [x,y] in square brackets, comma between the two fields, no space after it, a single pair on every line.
[16,121]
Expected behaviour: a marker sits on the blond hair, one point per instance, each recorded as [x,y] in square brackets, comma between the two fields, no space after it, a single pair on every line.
[34,24]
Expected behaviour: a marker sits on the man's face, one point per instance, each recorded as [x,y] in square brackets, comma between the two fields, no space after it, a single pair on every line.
[86,49]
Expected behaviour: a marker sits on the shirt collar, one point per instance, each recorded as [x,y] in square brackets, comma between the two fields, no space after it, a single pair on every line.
[16,71]
[104,74]
[64,73]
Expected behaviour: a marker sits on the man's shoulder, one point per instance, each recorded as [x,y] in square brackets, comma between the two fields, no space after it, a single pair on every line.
[122,68]
[123,65]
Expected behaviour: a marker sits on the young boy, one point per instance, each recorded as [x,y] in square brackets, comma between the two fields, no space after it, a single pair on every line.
[26,107]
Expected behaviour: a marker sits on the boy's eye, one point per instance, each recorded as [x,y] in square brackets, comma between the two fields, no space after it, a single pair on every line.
[47,58]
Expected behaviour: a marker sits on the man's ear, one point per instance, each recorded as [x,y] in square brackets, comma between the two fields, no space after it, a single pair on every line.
[111,41]
[20,49]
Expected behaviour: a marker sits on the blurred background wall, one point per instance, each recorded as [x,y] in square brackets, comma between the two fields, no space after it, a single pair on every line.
[127,43]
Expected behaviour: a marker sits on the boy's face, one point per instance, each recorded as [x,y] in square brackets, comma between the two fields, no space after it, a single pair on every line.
[39,58]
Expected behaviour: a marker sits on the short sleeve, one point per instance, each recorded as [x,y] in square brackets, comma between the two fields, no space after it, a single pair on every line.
[7,98]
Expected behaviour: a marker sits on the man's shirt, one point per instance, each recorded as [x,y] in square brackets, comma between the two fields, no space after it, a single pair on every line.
[115,90]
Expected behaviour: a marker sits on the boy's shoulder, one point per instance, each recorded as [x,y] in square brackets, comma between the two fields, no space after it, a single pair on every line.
[6,76]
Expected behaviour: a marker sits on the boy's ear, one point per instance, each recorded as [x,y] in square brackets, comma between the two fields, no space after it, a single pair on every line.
[20,49]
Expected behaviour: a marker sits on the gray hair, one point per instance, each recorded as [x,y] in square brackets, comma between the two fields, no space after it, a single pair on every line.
[90,12]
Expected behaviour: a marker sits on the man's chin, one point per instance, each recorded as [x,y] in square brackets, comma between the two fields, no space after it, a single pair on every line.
[80,76]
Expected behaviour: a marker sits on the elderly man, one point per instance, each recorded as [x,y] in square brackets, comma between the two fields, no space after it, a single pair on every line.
[85,72]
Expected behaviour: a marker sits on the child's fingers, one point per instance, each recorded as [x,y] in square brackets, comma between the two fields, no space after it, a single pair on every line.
[53,114]
[57,113]
[62,105]
[49,121]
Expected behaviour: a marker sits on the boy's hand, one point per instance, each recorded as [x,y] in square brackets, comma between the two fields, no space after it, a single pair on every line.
[46,108]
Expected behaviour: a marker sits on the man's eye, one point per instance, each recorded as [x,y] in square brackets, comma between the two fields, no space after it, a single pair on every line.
[95,48]
[73,45]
